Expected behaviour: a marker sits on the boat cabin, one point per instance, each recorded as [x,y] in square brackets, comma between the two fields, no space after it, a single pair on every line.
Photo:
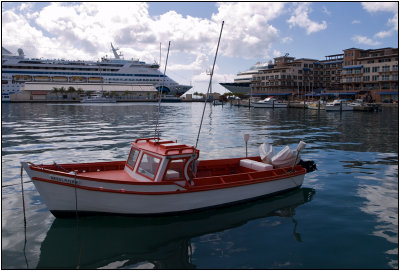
[156,160]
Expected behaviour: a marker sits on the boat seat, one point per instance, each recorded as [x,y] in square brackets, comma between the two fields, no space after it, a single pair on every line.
[171,174]
[251,164]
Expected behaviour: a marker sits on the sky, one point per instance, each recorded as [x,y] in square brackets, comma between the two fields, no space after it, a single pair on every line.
[253,32]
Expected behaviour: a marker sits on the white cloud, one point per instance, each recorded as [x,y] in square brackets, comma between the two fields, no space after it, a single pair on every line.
[300,18]
[276,53]
[365,40]
[380,6]
[326,11]
[254,37]
[383,34]
[287,40]
[393,22]
[355,22]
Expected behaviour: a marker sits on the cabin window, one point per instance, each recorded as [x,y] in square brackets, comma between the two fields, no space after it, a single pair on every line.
[175,169]
[148,165]
[133,155]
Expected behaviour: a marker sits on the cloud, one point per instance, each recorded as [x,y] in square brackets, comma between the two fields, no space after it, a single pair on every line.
[355,22]
[300,18]
[365,40]
[393,22]
[287,40]
[254,38]
[380,6]
[326,11]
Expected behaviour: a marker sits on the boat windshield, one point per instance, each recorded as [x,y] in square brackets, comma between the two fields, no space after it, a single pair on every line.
[148,166]
[133,155]
[175,169]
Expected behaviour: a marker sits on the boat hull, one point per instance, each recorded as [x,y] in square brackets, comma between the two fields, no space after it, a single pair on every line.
[268,105]
[66,194]
[337,108]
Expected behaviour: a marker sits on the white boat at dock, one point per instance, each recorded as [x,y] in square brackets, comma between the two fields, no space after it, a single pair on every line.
[338,105]
[269,102]
[98,98]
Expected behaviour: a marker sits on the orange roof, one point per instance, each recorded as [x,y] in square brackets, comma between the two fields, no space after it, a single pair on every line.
[163,147]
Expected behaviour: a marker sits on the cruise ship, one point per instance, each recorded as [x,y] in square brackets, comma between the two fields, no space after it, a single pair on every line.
[241,83]
[16,70]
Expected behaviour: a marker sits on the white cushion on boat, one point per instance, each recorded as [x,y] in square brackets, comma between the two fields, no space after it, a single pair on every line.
[171,174]
[255,165]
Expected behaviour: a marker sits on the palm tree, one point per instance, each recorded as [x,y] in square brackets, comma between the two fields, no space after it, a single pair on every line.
[71,90]
[62,90]
[55,91]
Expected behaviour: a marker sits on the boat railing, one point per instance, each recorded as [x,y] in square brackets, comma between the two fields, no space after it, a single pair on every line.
[147,139]
[180,150]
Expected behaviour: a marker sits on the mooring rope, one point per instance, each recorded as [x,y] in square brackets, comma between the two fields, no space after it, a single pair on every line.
[77,223]
[23,207]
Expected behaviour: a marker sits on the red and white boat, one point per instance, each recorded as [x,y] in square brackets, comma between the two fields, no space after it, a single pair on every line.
[159,177]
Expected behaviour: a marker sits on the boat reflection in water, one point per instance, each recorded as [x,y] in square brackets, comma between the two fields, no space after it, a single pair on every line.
[152,242]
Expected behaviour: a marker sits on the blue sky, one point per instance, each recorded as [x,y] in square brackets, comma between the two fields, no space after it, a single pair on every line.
[253,31]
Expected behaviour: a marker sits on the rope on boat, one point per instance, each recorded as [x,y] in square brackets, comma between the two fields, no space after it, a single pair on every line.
[209,85]
[77,223]
[156,131]
[23,207]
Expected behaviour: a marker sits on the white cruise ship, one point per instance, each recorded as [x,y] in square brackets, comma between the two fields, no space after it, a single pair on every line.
[241,83]
[16,70]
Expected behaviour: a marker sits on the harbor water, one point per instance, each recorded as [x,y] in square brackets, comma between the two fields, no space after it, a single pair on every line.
[345,216]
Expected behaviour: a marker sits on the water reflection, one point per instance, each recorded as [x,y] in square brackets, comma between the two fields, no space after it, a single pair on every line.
[145,242]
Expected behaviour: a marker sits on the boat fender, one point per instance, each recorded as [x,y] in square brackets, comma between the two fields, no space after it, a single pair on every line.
[309,166]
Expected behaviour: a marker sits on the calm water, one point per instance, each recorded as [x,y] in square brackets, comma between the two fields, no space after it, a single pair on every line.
[345,216]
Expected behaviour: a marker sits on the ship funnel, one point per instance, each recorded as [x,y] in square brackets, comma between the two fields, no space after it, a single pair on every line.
[21,53]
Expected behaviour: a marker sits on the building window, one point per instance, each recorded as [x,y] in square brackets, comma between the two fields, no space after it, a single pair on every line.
[395,67]
[386,68]
[375,77]
[367,69]
[375,69]
[366,78]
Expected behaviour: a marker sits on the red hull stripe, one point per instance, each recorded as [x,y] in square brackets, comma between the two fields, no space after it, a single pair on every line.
[222,185]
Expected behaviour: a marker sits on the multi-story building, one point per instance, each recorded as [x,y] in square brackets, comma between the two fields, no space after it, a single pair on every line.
[289,76]
[372,73]
[357,73]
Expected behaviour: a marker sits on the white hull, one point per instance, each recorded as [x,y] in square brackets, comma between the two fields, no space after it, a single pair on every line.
[99,100]
[268,105]
[345,107]
[144,199]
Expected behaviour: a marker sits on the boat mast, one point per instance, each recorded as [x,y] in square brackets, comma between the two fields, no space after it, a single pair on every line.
[209,85]
[156,131]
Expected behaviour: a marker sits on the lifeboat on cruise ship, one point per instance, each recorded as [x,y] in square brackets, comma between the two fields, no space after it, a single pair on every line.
[95,79]
[22,78]
[163,177]
[42,78]
[78,79]
[60,79]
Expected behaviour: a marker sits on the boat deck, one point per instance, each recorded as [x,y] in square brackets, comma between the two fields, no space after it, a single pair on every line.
[117,175]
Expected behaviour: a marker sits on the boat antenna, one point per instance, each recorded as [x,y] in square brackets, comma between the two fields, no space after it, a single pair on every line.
[209,85]
[156,131]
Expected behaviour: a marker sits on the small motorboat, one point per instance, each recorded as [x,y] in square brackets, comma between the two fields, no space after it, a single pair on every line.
[269,102]
[162,177]
[98,98]
[338,105]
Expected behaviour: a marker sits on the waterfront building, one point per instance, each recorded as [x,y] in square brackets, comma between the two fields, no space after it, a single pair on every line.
[372,73]
[34,91]
[288,77]
[369,74]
